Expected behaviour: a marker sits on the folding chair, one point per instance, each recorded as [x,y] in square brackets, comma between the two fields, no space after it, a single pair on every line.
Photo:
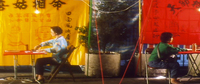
[64,62]
[149,51]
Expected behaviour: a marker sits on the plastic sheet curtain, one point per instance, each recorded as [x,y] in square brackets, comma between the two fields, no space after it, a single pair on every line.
[20,26]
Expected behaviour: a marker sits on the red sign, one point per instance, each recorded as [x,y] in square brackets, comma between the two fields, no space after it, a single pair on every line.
[180,17]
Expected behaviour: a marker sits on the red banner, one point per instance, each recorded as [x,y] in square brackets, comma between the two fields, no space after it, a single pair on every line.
[180,17]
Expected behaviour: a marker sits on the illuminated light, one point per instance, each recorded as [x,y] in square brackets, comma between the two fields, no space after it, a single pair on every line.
[36,7]
[199,9]
[2,79]
[36,11]
[160,77]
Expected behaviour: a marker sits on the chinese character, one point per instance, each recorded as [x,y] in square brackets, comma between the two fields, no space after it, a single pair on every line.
[20,5]
[19,20]
[67,37]
[69,19]
[155,17]
[57,4]
[156,12]
[68,25]
[11,15]
[67,31]
[41,15]
[173,24]
[69,13]
[48,15]
[156,24]
[40,3]
[155,36]
[48,20]
[26,20]
[34,20]
[176,35]
[184,2]
[2,5]
[19,15]
[155,1]
[34,15]
[26,15]
[155,5]
[196,4]
[155,30]
[41,20]
[172,8]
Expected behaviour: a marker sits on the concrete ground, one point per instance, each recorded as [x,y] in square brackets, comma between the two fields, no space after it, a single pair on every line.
[6,77]
[80,78]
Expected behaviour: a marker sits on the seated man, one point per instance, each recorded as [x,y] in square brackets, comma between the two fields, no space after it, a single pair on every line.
[165,50]
[59,45]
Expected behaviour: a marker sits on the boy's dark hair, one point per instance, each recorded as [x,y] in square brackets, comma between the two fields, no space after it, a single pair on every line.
[166,37]
[57,30]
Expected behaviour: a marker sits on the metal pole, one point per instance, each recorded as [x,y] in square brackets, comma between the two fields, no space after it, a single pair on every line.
[140,16]
[33,66]
[89,33]
[140,45]
[15,66]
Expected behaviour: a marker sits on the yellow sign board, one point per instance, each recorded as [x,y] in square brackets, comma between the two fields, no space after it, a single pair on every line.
[21,26]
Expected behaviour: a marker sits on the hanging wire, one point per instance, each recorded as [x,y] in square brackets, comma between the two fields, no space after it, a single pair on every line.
[129,62]
[99,50]
[139,41]
[98,38]
[111,11]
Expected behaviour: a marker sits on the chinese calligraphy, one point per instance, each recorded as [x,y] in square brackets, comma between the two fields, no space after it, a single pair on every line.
[155,16]
[68,20]
[184,2]
[196,4]
[173,8]
[180,17]
[20,5]
[68,25]
[156,35]
[19,17]
[57,4]
[40,3]
[2,5]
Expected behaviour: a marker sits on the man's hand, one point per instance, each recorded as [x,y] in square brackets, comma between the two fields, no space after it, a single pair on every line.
[37,47]
[41,50]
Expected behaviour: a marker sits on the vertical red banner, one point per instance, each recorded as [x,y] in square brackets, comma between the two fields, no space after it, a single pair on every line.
[180,17]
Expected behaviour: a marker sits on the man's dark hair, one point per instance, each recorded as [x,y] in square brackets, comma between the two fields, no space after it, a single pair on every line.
[166,37]
[57,30]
